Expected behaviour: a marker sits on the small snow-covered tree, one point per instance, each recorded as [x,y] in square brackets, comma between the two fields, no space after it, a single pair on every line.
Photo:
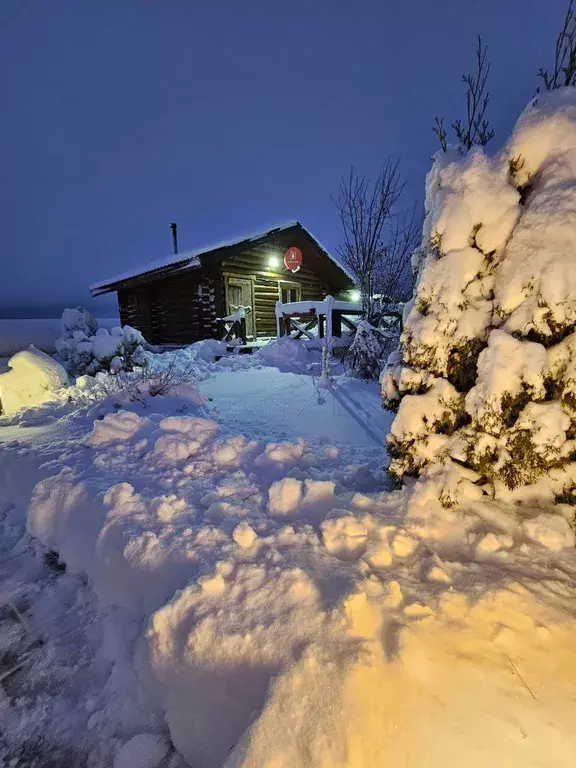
[364,356]
[86,349]
[77,320]
[485,382]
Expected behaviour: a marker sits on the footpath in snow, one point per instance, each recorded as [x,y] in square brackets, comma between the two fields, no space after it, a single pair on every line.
[287,404]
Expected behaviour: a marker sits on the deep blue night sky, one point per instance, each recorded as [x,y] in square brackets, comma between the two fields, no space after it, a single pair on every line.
[119,116]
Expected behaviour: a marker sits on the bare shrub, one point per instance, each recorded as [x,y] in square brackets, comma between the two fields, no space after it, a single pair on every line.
[475,129]
[564,73]
[140,384]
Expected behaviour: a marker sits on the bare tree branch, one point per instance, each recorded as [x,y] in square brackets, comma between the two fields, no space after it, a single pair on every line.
[392,280]
[377,240]
[565,59]
[475,130]
[440,131]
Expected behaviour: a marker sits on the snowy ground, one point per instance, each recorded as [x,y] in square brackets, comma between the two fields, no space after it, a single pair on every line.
[290,405]
[242,586]
[47,706]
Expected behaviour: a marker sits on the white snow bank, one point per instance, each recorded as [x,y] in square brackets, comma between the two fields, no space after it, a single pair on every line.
[34,378]
[551,531]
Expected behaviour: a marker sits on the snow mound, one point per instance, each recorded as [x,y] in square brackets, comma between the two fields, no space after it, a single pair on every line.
[285,351]
[34,378]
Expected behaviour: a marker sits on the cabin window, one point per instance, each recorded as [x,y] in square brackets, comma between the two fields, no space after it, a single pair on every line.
[234,295]
[132,302]
[289,292]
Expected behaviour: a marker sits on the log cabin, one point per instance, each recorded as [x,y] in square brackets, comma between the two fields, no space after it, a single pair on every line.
[182,299]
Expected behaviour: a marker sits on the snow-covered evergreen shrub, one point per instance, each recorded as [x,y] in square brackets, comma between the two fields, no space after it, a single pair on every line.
[363,358]
[485,382]
[78,319]
[86,349]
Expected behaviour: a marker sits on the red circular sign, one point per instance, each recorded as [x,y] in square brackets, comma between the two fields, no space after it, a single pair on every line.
[293,259]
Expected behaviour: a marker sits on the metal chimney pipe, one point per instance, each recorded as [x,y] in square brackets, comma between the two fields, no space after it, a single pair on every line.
[174,228]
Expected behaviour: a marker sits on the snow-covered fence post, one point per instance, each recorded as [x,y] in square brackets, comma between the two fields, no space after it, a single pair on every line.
[327,341]
[328,306]
[325,368]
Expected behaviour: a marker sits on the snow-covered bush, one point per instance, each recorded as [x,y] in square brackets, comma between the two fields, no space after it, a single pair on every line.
[363,359]
[78,319]
[86,349]
[486,380]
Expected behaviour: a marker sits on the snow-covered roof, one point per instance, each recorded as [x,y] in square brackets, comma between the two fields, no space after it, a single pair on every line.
[187,259]
[191,259]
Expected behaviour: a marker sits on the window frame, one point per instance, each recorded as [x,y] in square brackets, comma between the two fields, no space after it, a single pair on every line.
[289,285]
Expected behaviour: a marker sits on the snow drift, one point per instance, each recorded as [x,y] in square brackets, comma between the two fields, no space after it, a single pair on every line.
[34,378]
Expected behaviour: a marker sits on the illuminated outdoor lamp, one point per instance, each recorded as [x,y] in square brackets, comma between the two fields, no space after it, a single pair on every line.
[273,261]
[355,295]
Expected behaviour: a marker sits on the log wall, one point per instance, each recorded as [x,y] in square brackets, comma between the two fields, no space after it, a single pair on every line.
[314,285]
[183,307]
[167,311]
